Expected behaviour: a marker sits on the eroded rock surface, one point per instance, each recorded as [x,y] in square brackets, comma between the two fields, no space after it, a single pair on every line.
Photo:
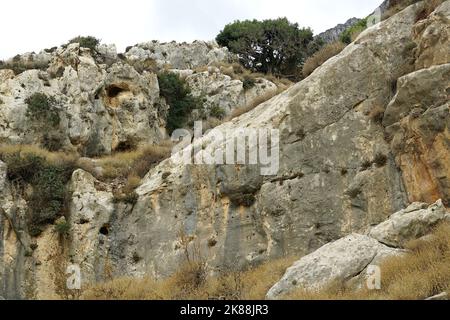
[342,169]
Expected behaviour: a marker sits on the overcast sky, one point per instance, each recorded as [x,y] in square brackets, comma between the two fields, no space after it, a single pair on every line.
[32,25]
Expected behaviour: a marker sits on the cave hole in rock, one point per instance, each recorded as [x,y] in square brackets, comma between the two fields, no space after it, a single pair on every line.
[125,146]
[114,90]
[104,230]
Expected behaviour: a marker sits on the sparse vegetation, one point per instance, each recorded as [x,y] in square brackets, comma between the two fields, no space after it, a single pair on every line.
[366,165]
[88,42]
[62,228]
[140,66]
[19,65]
[49,172]
[48,177]
[251,284]
[42,108]
[217,112]
[321,56]
[377,114]
[259,100]
[428,8]
[349,35]
[380,160]
[248,83]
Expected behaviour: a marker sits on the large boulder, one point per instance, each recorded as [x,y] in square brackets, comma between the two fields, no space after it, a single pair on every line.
[337,261]
[411,223]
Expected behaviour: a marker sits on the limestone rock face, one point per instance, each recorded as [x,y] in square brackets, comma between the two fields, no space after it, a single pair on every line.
[333,34]
[99,106]
[337,174]
[418,122]
[221,91]
[91,209]
[181,55]
[352,152]
[432,36]
[412,223]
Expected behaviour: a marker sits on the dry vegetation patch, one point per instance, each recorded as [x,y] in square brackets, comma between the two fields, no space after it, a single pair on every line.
[256,102]
[321,56]
[252,284]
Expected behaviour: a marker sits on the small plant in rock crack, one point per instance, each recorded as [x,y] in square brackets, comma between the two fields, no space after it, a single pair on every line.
[62,228]
[380,160]
[43,108]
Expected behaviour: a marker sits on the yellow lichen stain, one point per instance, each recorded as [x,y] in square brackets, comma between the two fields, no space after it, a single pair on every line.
[426,169]
[50,274]
[154,200]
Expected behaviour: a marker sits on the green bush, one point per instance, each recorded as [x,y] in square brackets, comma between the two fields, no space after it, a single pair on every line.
[276,47]
[18,66]
[127,198]
[217,112]
[43,108]
[248,83]
[86,42]
[48,181]
[348,35]
[178,95]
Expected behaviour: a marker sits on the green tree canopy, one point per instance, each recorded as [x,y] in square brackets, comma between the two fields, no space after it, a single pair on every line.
[178,95]
[270,46]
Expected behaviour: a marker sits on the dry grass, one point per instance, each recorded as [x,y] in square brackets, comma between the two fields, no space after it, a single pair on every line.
[129,165]
[54,158]
[133,163]
[237,72]
[259,100]
[188,283]
[321,56]
[422,273]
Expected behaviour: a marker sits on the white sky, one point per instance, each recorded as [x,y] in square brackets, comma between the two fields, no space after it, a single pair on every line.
[32,25]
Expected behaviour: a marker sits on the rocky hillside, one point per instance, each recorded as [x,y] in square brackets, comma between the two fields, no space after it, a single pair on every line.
[333,34]
[364,136]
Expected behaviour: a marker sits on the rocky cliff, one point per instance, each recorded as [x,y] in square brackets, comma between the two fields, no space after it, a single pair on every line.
[362,137]
[333,34]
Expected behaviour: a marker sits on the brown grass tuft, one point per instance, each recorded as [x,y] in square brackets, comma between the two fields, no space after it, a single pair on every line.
[252,284]
[320,57]
[259,100]
[135,163]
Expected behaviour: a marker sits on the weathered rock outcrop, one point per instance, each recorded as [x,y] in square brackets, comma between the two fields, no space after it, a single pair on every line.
[341,169]
[181,55]
[323,189]
[337,261]
[99,107]
[348,257]
[333,34]
[221,91]
[412,223]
